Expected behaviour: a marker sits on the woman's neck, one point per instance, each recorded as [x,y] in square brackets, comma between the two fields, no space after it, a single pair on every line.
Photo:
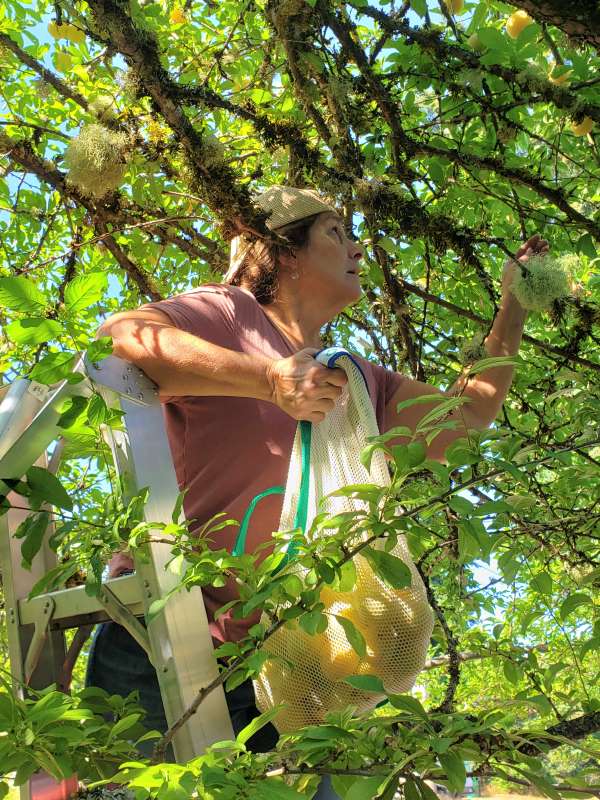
[293,329]
[298,319]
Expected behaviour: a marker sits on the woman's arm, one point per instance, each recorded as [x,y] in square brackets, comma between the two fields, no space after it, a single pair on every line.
[486,391]
[182,364]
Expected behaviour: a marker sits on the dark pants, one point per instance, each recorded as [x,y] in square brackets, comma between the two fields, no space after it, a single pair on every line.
[119,665]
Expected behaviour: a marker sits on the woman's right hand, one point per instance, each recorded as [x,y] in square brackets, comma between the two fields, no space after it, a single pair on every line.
[304,388]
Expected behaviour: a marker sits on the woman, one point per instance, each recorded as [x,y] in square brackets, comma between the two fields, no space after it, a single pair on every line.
[235,369]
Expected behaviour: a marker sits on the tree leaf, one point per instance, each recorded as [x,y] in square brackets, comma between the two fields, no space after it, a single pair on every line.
[573,602]
[408,703]
[496,361]
[420,400]
[22,294]
[461,505]
[512,671]
[73,412]
[419,7]
[417,452]
[123,725]
[410,790]
[427,792]
[454,768]
[85,290]
[54,578]
[354,636]
[542,583]
[53,368]
[46,486]
[363,788]
[313,622]
[391,569]
[366,683]
[447,406]
[257,724]
[491,37]
[585,243]
[32,532]
[33,330]
[274,788]
[100,348]
[97,411]
[347,580]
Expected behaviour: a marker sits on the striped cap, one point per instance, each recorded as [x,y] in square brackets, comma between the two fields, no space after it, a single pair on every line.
[286,204]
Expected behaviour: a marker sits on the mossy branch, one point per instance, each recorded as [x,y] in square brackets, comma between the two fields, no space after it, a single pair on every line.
[47,75]
[431,41]
[215,182]
[23,153]
[580,21]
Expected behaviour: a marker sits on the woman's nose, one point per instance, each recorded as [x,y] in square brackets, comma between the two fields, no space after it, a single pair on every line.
[356,251]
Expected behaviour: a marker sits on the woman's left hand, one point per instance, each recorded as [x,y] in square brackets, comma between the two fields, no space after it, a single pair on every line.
[535,246]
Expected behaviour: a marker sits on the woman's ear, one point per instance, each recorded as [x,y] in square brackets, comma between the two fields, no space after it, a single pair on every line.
[288,259]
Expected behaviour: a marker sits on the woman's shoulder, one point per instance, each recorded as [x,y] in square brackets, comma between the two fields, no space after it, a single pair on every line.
[225,289]
[223,292]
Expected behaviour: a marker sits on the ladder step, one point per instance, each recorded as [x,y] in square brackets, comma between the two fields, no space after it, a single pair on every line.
[73,606]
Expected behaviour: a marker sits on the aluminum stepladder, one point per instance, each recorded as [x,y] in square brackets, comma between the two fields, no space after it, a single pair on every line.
[178,639]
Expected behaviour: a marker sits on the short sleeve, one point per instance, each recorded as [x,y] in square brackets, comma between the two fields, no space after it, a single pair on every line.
[208,312]
[383,384]
[388,382]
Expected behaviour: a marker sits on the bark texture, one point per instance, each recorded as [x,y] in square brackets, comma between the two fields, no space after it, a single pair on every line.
[579,19]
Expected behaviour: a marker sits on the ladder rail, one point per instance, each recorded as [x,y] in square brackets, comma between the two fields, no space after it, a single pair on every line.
[184,662]
[28,421]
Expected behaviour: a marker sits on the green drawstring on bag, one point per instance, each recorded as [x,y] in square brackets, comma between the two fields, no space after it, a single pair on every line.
[240,542]
[302,509]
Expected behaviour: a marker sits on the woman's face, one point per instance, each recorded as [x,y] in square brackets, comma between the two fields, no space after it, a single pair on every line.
[328,265]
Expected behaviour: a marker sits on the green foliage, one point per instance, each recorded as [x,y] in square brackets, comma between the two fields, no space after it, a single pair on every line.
[65,734]
[121,181]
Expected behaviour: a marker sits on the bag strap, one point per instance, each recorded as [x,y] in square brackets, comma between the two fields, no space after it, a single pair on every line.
[302,507]
[240,542]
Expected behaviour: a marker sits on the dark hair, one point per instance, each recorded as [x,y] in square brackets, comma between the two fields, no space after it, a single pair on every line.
[259,271]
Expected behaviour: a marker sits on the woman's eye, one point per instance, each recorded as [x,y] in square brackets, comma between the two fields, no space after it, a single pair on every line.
[338,230]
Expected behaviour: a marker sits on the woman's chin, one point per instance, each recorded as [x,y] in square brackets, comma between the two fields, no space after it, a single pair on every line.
[344,294]
[357,291]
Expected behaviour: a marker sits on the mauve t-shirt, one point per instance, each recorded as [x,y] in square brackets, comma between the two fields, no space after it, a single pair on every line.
[226,450]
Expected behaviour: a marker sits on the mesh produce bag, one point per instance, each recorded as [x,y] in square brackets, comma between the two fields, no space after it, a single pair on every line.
[396,623]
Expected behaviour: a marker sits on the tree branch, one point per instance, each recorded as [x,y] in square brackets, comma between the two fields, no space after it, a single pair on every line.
[580,21]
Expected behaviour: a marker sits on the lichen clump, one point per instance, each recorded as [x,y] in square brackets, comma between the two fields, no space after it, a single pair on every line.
[544,280]
[473,350]
[96,160]
[213,151]
[532,76]
[105,793]
[102,107]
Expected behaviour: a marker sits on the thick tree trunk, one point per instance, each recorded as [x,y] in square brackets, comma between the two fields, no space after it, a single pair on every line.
[580,19]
